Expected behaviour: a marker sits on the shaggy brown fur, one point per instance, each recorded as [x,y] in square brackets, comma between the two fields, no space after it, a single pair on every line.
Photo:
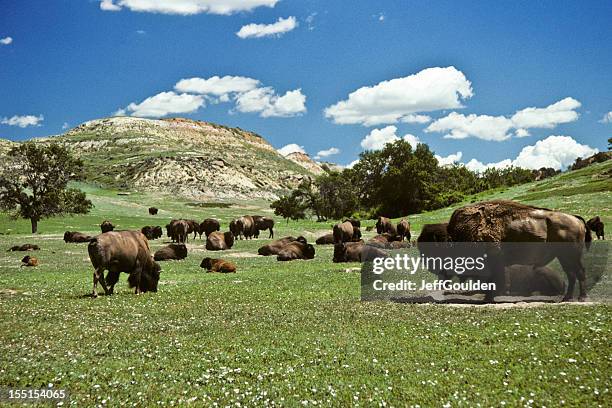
[25,247]
[74,236]
[208,226]
[29,261]
[597,226]
[296,250]
[219,241]
[326,239]
[172,252]
[403,230]
[106,226]
[218,265]
[356,252]
[274,247]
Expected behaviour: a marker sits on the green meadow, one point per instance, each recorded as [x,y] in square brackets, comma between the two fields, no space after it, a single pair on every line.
[288,334]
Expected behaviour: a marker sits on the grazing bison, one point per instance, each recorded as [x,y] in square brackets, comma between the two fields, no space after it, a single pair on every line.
[74,236]
[296,250]
[157,232]
[274,247]
[346,232]
[527,280]
[597,226]
[209,225]
[106,226]
[356,252]
[25,247]
[262,224]
[123,251]
[403,230]
[147,231]
[245,226]
[326,239]
[218,265]
[29,261]
[180,231]
[219,241]
[354,221]
[153,211]
[508,221]
[384,225]
[193,226]
[172,252]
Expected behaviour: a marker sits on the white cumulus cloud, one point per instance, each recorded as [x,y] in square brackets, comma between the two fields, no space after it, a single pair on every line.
[23,121]
[6,40]
[378,138]
[607,118]
[326,153]
[479,167]
[391,101]
[268,104]
[291,148]
[563,111]
[186,7]
[163,104]
[450,159]
[216,85]
[282,26]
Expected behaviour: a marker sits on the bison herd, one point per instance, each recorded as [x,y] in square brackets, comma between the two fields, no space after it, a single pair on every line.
[490,222]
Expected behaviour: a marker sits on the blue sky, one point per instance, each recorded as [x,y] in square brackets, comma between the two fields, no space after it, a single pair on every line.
[69,61]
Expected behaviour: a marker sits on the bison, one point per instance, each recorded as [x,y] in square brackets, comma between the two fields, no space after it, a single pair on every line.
[326,239]
[356,252]
[597,226]
[106,226]
[29,261]
[403,230]
[262,224]
[502,221]
[296,250]
[346,232]
[209,225]
[153,211]
[219,241]
[384,225]
[193,226]
[25,247]
[274,247]
[74,236]
[123,251]
[180,231]
[244,226]
[527,280]
[354,221]
[152,232]
[171,252]
[432,243]
[218,265]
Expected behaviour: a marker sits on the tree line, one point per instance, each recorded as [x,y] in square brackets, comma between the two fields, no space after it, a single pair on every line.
[394,181]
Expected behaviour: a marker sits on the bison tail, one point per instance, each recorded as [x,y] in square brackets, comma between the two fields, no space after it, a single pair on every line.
[587,235]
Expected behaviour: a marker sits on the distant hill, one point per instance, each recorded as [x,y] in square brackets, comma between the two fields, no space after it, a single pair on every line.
[192,159]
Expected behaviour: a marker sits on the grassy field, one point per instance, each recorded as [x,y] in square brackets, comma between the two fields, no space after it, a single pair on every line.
[288,334]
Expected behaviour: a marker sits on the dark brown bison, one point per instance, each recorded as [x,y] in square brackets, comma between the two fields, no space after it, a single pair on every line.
[193,226]
[74,236]
[153,211]
[123,251]
[385,225]
[218,265]
[106,226]
[147,231]
[526,280]
[388,241]
[219,241]
[172,252]
[354,221]
[262,224]
[508,221]
[346,232]
[356,252]
[326,239]
[403,230]
[180,229]
[434,233]
[209,225]
[25,247]
[274,247]
[597,226]
[233,227]
[432,243]
[296,250]
[29,261]
[245,227]
[384,238]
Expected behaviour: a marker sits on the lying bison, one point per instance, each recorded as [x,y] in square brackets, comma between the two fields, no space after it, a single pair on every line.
[106,226]
[508,221]
[274,247]
[354,221]
[123,251]
[29,261]
[208,226]
[356,252]
[218,265]
[597,226]
[296,250]
[153,211]
[403,230]
[526,280]
[346,232]
[385,225]
[326,239]
[74,236]
[262,224]
[219,241]
[25,247]
[172,252]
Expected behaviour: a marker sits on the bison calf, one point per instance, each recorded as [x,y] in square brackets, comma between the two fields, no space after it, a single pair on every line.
[171,252]
[29,261]
[25,247]
[218,265]
[597,226]
[74,236]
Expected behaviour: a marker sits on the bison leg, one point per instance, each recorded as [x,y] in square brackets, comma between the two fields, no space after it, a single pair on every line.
[111,279]
[573,268]
[271,233]
[98,275]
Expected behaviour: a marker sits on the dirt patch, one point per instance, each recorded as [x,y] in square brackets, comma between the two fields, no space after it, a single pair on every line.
[243,255]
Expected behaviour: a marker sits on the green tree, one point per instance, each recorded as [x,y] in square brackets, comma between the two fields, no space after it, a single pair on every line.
[34,183]
[289,207]
[337,195]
